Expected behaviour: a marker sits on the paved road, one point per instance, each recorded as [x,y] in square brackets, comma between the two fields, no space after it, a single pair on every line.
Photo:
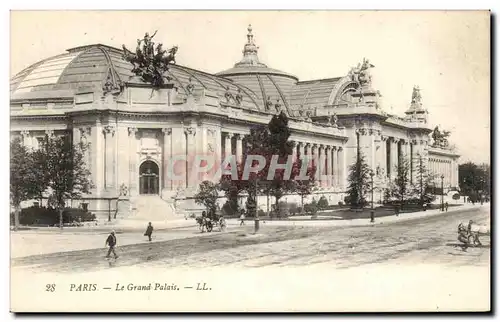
[424,240]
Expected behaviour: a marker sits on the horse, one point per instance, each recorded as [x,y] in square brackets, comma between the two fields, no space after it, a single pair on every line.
[170,58]
[132,58]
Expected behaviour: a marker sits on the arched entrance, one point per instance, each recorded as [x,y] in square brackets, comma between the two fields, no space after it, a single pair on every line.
[149,178]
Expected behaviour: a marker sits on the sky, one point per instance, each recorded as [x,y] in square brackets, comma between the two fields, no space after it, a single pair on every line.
[445,53]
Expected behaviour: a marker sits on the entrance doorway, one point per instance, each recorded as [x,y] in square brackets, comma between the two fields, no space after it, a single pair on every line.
[149,178]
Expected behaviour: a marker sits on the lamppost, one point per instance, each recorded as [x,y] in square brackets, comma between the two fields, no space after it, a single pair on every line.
[256,226]
[463,190]
[442,193]
[372,212]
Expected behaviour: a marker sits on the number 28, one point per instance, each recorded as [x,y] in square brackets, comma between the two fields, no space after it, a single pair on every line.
[50,287]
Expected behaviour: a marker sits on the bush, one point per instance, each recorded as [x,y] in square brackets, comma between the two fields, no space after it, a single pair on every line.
[261,213]
[228,210]
[311,207]
[341,204]
[50,217]
[322,203]
[456,196]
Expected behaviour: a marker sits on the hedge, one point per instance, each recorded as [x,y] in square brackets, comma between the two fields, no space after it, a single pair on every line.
[50,217]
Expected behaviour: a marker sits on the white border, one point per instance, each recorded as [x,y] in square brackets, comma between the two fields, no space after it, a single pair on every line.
[198,4]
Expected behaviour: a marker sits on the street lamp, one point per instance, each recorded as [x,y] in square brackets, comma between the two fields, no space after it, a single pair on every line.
[372,212]
[463,190]
[442,193]
[256,217]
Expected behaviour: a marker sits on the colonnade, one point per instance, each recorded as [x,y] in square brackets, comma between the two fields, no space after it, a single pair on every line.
[329,159]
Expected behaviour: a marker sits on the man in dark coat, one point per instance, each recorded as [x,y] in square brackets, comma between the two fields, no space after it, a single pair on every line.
[149,231]
[111,242]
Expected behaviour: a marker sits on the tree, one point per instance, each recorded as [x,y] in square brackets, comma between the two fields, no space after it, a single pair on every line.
[304,186]
[358,181]
[422,182]
[22,177]
[65,166]
[278,144]
[473,178]
[207,195]
[401,188]
[41,172]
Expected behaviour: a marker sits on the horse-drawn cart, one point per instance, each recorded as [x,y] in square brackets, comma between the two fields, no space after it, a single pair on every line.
[208,224]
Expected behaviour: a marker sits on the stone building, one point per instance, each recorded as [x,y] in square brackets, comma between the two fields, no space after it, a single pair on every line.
[134,131]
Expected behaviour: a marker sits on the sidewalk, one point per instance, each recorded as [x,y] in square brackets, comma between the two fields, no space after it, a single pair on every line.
[364,221]
[52,240]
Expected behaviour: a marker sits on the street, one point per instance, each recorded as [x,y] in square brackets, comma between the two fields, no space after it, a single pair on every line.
[431,240]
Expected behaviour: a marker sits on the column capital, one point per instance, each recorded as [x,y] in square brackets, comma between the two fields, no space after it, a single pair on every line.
[49,133]
[167,130]
[211,132]
[109,129]
[132,131]
[85,131]
[340,149]
[238,136]
[396,140]
[190,131]
[227,135]
[384,137]
[26,133]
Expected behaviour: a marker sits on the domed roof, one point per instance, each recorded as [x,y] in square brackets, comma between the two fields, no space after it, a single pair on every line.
[272,86]
[90,67]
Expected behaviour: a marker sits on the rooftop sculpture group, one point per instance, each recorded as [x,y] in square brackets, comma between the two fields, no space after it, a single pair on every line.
[150,63]
[440,139]
[361,73]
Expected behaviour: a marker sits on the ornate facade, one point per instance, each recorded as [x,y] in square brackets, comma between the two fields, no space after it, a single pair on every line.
[135,129]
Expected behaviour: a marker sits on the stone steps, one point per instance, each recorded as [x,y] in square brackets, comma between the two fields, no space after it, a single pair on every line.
[151,208]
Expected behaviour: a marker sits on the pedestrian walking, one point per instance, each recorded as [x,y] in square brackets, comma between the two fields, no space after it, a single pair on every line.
[446,206]
[149,231]
[242,218]
[111,242]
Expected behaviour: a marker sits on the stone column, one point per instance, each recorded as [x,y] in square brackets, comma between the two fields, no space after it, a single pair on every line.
[191,153]
[307,153]
[26,138]
[342,168]
[85,133]
[239,147]
[132,150]
[301,149]
[294,151]
[98,157]
[335,170]
[227,145]
[320,164]
[394,157]
[314,156]
[167,154]
[122,157]
[110,144]
[329,172]
[76,139]
[383,154]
